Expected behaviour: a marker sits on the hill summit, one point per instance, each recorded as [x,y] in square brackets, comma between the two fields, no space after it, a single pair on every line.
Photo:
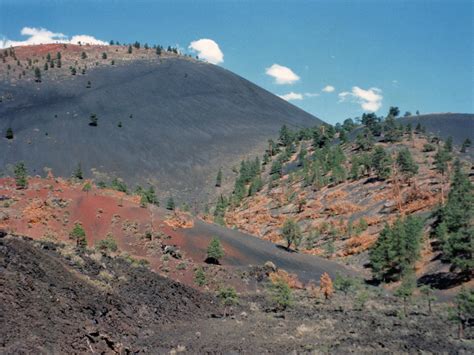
[166,120]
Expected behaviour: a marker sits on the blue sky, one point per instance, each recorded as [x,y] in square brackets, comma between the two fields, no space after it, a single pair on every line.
[417,55]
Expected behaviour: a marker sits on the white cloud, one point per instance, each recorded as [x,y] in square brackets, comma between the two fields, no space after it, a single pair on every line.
[292,96]
[282,75]
[369,100]
[208,50]
[328,88]
[86,39]
[298,96]
[44,36]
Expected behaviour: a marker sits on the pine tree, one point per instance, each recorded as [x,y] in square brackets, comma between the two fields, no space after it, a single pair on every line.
[441,159]
[381,163]
[170,205]
[281,294]
[463,309]
[219,211]
[427,293]
[215,252]
[407,165]
[457,215]
[9,133]
[286,136]
[37,75]
[93,120]
[448,145]
[83,55]
[465,145]
[104,55]
[291,233]
[365,140]
[129,49]
[219,178]
[405,291]
[397,248]
[276,169]
[79,235]
[21,176]
[78,172]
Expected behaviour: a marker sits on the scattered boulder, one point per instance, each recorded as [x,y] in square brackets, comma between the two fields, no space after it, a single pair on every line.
[173,251]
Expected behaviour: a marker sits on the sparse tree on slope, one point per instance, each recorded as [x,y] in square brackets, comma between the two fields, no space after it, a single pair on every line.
[215,252]
[219,178]
[21,176]
[291,233]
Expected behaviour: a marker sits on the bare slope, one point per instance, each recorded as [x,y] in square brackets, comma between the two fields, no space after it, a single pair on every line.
[180,119]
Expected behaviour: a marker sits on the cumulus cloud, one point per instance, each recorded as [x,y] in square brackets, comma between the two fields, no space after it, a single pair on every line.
[282,74]
[328,88]
[297,96]
[44,36]
[292,96]
[208,50]
[369,100]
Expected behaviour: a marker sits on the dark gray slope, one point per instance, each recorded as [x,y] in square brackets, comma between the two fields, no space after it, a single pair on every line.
[189,118]
[248,250]
[457,125]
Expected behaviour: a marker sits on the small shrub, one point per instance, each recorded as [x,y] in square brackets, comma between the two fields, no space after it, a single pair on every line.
[200,276]
[107,244]
[281,294]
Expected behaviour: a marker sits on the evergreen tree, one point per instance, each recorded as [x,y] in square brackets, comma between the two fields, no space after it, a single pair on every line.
[220,209]
[365,140]
[281,294]
[129,49]
[228,297]
[393,111]
[343,136]
[291,233]
[37,75]
[83,55]
[104,55]
[397,248]
[381,163]
[427,293]
[46,66]
[407,165]
[286,136]
[441,161]
[79,235]
[215,252]
[256,185]
[458,214]
[372,123]
[392,131]
[21,176]
[463,310]
[219,178]
[405,291]
[93,120]
[78,172]
[465,144]
[9,133]
[170,205]
[276,169]
[448,145]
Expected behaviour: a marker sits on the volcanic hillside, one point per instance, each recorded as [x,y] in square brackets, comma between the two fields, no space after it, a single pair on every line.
[166,119]
[459,126]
